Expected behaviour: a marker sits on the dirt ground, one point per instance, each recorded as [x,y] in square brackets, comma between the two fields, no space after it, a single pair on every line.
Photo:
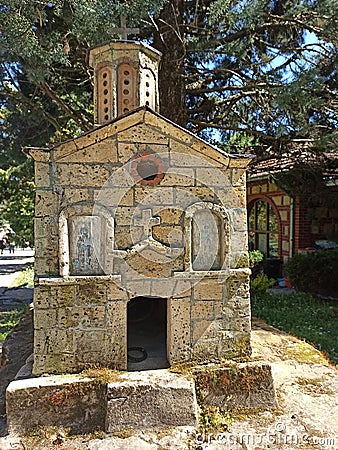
[307,417]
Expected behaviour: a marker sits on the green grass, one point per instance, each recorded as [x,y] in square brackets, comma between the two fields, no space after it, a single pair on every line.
[305,316]
[10,319]
[26,276]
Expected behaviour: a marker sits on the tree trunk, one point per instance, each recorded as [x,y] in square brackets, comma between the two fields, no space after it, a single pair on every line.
[170,40]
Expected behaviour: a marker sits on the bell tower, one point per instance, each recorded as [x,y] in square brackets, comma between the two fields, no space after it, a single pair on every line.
[125,77]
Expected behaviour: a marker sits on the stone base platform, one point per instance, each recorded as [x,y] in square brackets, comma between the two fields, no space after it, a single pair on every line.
[140,400]
[136,400]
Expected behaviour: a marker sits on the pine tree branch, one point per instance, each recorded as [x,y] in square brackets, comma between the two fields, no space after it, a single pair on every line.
[81,121]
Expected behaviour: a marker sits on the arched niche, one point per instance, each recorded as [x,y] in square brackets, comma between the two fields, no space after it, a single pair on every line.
[104,94]
[148,92]
[126,88]
[207,237]
[86,240]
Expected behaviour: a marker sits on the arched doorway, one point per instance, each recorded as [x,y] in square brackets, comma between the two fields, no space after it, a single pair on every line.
[147,333]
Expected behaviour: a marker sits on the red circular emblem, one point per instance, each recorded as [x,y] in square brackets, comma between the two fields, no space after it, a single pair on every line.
[148,169]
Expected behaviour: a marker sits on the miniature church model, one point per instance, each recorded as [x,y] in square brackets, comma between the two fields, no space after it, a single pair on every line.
[141,237]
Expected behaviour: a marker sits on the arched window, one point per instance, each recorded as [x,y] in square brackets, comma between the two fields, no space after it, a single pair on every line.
[126,88]
[104,84]
[263,229]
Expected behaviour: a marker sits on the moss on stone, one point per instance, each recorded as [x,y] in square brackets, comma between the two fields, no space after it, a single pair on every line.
[242,262]
[305,353]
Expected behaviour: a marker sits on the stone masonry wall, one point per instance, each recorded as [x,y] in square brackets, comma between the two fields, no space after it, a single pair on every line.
[82,320]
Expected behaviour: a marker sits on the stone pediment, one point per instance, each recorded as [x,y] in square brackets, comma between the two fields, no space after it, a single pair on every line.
[139,126]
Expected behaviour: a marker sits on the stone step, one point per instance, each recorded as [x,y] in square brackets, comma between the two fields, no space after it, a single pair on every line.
[137,400]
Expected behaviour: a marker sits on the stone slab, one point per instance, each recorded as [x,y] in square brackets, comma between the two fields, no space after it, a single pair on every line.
[242,385]
[66,401]
[154,398]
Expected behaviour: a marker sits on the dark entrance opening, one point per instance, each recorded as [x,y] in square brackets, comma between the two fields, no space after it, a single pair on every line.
[147,333]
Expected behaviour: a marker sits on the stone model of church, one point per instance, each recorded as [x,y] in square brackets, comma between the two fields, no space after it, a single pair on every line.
[138,221]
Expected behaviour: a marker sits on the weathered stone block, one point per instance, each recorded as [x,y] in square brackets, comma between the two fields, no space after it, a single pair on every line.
[47,246]
[169,235]
[73,195]
[89,341]
[239,385]
[150,264]
[124,216]
[113,196]
[168,128]
[72,401]
[240,195]
[41,178]
[212,153]
[101,152]
[179,324]
[61,296]
[56,340]
[179,177]
[45,226]
[136,287]
[89,294]
[55,363]
[202,309]
[205,329]
[143,133]
[149,197]
[229,197]
[236,283]
[45,318]
[46,266]
[238,177]
[208,289]
[206,351]
[46,203]
[83,318]
[126,237]
[151,399]
[184,155]
[86,175]
[126,151]
[116,292]
[182,289]
[171,216]
[162,287]
[188,196]
[41,297]
[212,177]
